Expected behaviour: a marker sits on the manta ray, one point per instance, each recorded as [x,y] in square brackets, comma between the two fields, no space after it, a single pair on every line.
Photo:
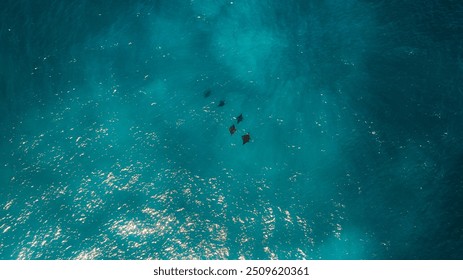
[239,118]
[232,129]
[221,103]
[207,93]
[246,138]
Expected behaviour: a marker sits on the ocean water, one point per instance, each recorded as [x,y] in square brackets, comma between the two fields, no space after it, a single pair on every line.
[110,148]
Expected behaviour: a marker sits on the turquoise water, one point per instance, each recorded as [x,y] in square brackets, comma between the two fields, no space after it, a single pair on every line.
[110,148]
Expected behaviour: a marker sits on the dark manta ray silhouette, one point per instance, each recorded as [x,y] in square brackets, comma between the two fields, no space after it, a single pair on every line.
[207,93]
[221,103]
[239,118]
[246,138]
[232,129]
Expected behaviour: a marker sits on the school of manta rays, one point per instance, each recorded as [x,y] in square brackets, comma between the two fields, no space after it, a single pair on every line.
[232,129]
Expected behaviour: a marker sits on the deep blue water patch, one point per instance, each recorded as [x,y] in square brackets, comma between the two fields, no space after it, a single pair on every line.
[110,148]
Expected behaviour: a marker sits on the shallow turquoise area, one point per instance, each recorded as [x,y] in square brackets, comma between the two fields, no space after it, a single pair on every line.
[110,149]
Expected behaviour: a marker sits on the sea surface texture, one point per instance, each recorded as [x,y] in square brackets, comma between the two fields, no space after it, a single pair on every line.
[115,124]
